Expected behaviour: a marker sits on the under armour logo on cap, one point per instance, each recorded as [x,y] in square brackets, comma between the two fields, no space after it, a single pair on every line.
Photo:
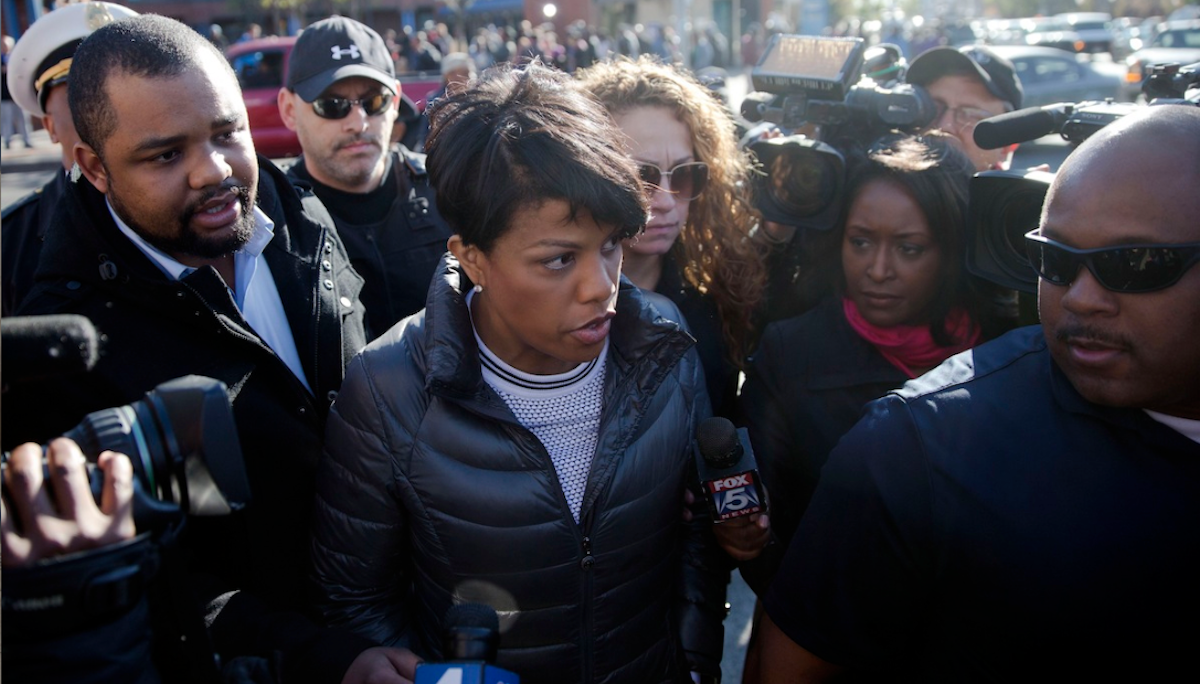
[338,52]
[337,48]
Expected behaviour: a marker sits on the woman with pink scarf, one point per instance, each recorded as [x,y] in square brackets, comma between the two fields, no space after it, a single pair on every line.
[895,300]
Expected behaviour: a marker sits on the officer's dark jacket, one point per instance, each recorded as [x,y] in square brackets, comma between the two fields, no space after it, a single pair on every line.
[397,255]
[25,224]
[155,329]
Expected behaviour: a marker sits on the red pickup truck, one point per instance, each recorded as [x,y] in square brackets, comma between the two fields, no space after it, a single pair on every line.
[260,66]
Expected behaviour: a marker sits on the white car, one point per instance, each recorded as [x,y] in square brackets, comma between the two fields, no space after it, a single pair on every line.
[1176,42]
[1050,75]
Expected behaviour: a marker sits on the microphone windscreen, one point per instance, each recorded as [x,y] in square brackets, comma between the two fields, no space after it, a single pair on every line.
[470,632]
[39,347]
[1020,126]
[472,615]
[718,442]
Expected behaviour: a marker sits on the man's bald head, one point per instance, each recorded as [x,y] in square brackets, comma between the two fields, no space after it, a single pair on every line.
[1134,183]
[1160,142]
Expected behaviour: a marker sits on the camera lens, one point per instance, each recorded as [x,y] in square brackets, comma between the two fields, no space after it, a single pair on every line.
[182,442]
[128,430]
[802,182]
[1018,213]
[1004,206]
[1019,216]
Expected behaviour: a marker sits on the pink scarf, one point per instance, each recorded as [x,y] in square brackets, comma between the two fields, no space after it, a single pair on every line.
[911,346]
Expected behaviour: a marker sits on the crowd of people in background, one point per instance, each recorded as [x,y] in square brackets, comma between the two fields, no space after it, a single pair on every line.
[421,48]
[579,46]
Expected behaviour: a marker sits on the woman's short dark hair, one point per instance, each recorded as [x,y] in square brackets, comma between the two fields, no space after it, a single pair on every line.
[937,176]
[520,136]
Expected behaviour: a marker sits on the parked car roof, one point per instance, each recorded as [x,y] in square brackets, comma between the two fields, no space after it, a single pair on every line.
[260,66]
[1049,75]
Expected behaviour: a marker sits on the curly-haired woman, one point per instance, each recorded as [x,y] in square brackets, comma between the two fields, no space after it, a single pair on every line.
[695,249]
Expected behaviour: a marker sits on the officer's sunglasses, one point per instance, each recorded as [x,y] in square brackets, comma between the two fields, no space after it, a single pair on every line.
[686,181]
[1126,268]
[339,107]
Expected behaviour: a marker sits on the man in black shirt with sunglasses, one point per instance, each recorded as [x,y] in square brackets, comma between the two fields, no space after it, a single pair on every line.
[1028,510]
[342,98]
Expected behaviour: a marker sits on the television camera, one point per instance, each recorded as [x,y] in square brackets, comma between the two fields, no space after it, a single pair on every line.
[830,94]
[85,617]
[1005,205]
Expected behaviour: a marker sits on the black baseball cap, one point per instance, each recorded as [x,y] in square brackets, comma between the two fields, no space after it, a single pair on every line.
[996,72]
[337,48]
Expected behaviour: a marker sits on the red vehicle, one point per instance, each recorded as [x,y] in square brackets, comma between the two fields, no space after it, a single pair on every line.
[261,65]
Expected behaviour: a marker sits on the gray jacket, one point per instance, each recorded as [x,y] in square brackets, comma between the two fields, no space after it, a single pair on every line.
[432,493]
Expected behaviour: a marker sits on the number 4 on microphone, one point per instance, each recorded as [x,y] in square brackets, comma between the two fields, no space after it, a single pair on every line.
[464,673]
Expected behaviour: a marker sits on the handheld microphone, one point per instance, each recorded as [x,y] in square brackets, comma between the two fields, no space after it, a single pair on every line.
[1020,126]
[470,633]
[728,474]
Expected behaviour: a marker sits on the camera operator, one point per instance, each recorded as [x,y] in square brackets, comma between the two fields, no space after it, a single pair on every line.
[968,85]
[946,89]
[56,541]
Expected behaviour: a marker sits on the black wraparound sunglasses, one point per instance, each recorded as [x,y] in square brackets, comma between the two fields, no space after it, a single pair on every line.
[1124,268]
[339,107]
[685,181]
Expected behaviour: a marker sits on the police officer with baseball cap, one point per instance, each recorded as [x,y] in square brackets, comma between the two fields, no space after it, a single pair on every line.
[38,69]
[968,85]
[342,98]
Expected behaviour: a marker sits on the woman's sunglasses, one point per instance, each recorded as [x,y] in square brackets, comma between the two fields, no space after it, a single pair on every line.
[1127,268]
[685,181]
[339,107]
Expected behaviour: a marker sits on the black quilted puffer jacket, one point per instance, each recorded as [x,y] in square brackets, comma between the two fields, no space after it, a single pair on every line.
[431,493]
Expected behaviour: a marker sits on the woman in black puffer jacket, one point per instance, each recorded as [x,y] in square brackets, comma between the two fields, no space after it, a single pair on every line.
[525,440]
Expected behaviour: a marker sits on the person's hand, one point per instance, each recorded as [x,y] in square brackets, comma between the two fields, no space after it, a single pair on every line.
[383,665]
[771,133]
[60,516]
[744,538]
[689,500]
